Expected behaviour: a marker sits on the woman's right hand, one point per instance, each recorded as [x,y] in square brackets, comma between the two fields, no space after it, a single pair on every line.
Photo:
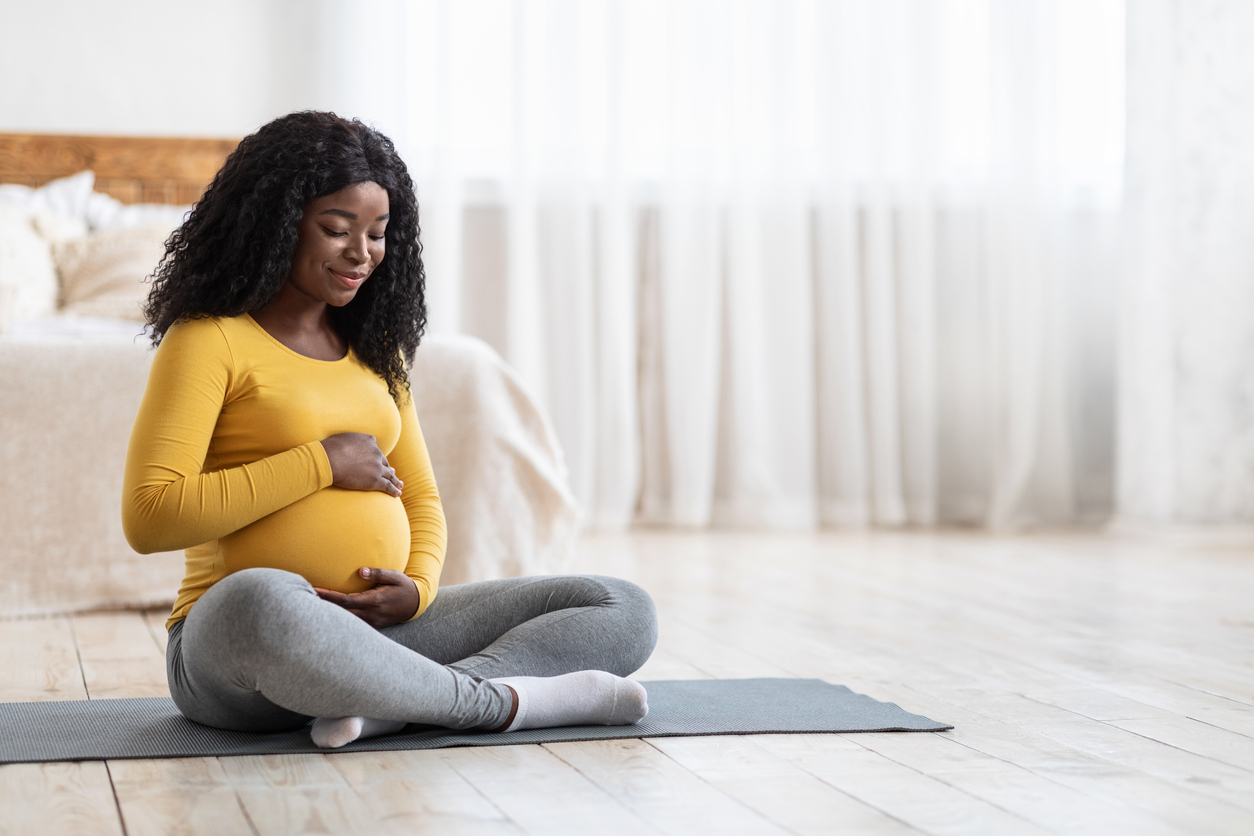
[358,464]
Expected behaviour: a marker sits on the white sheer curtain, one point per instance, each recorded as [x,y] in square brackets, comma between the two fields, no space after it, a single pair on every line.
[775,262]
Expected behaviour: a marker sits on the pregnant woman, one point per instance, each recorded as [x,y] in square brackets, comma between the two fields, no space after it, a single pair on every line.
[277,444]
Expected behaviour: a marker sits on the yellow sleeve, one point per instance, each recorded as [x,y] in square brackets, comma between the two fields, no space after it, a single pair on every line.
[167,502]
[428,535]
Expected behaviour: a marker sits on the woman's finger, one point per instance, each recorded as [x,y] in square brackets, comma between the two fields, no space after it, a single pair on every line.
[387,577]
[387,481]
[360,601]
[332,597]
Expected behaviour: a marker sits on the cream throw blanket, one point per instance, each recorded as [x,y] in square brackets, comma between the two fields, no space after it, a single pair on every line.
[497,462]
[66,409]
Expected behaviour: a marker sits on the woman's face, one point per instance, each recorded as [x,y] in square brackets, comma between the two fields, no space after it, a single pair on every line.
[340,242]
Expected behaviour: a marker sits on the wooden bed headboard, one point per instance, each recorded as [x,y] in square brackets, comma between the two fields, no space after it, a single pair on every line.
[132,169]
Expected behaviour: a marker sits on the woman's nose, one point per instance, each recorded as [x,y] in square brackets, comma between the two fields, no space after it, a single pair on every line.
[355,250]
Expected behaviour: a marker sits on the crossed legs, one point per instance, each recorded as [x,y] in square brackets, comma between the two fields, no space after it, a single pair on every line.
[261,652]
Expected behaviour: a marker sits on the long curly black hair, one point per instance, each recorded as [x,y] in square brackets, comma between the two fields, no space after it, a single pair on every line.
[234,252]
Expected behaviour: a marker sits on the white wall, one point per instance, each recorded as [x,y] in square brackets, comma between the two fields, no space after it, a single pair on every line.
[1186,378]
[156,67]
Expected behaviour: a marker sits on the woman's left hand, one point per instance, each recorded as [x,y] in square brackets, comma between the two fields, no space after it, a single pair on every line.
[393,599]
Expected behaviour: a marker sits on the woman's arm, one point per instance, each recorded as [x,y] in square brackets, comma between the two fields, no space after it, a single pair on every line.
[427,530]
[167,503]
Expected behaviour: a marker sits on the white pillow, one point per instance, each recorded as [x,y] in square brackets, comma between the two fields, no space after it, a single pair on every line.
[106,212]
[56,228]
[28,277]
[67,197]
[104,274]
[73,199]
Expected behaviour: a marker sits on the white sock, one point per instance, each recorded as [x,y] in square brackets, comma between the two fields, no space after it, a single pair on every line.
[582,698]
[334,732]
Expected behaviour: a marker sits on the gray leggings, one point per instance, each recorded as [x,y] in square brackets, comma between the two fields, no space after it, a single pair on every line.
[260,651]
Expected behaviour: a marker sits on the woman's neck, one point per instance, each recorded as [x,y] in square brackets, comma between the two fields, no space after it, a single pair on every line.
[303,324]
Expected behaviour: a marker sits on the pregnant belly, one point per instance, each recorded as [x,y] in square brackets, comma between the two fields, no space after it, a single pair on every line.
[326,537]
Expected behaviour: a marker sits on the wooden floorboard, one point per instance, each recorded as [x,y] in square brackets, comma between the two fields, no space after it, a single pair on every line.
[39,661]
[775,788]
[422,791]
[1097,685]
[119,657]
[672,799]
[1093,770]
[541,793]
[920,800]
[1010,787]
[54,798]
[300,794]
[190,796]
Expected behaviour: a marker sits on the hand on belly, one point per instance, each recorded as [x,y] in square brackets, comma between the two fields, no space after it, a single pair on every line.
[393,598]
[325,537]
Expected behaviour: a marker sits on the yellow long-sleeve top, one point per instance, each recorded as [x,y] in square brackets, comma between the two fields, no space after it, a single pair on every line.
[225,462]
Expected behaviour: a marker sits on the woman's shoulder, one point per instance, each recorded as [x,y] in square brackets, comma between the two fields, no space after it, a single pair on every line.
[206,336]
[208,328]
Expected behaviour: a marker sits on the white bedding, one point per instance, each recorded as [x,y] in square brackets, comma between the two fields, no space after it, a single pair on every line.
[65,244]
[89,328]
[74,199]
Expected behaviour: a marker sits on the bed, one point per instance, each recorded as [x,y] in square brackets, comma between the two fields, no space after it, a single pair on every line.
[73,370]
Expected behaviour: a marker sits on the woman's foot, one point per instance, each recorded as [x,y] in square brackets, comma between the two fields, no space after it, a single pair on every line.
[582,698]
[334,732]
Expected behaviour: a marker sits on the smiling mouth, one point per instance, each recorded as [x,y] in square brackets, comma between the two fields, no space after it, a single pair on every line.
[349,281]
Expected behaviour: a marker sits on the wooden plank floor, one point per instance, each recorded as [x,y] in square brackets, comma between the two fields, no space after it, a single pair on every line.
[1097,685]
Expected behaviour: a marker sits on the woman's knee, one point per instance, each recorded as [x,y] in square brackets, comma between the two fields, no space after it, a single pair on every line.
[249,623]
[253,601]
[258,588]
[637,621]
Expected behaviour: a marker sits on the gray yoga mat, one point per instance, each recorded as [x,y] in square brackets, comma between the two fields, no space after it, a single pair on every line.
[153,727]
